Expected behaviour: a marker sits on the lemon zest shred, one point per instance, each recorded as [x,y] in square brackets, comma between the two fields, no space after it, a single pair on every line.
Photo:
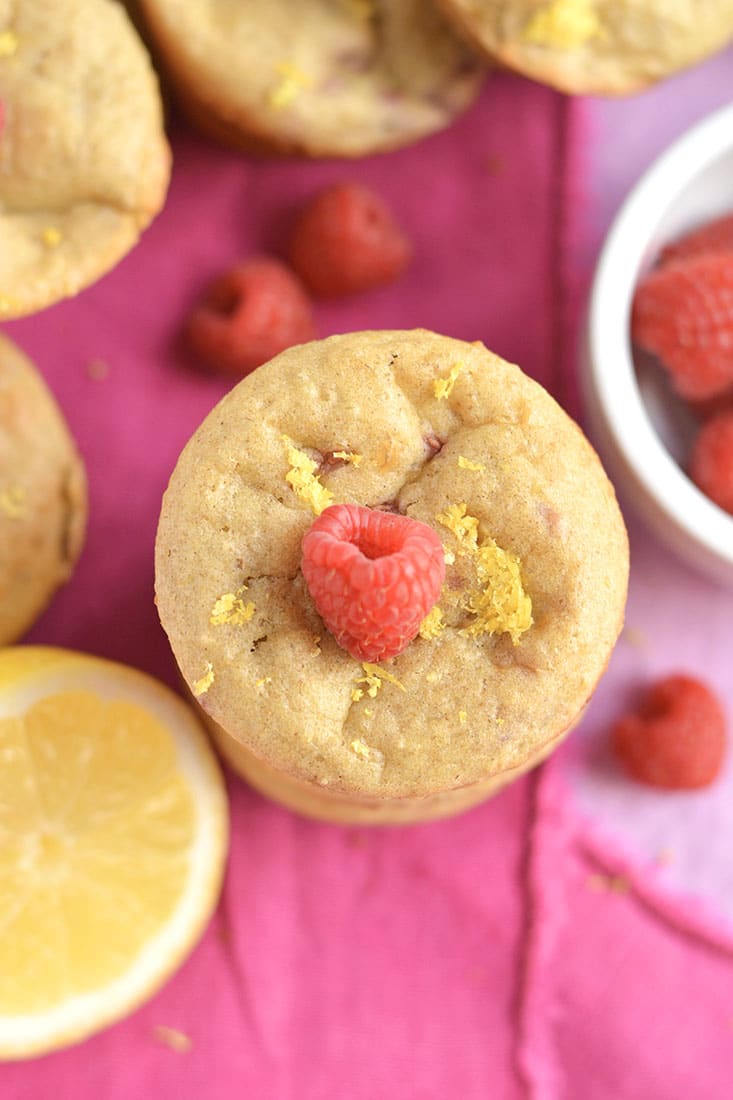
[381,674]
[462,717]
[373,678]
[202,686]
[368,711]
[292,81]
[231,608]
[433,624]
[360,748]
[349,456]
[9,43]
[563,25]
[260,684]
[443,387]
[466,464]
[12,501]
[51,236]
[304,480]
[500,605]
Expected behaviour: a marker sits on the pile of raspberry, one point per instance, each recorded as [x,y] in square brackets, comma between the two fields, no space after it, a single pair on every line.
[683,315]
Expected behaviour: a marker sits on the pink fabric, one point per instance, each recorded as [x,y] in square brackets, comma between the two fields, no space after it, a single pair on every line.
[467,958]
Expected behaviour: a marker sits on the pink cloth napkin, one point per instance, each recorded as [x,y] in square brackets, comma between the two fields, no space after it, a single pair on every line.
[426,962]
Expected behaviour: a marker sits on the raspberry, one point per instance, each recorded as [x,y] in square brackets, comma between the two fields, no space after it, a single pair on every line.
[373,576]
[683,314]
[248,315]
[677,737]
[711,462]
[716,236]
[346,240]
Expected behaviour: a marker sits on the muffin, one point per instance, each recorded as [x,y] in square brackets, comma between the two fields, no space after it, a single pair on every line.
[596,47]
[316,77]
[42,495]
[536,570]
[84,164]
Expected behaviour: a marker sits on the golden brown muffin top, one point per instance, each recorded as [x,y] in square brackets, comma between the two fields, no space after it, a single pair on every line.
[324,77]
[445,432]
[595,46]
[42,494]
[84,163]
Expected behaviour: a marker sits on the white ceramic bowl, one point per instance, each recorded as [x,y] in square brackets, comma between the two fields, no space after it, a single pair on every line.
[642,430]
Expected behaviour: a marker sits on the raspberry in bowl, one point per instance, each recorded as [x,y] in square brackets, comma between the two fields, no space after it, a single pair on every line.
[392,571]
[665,277]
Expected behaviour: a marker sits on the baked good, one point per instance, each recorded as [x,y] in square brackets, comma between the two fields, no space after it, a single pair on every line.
[450,434]
[597,47]
[43,502]
[84,163]
[320,77]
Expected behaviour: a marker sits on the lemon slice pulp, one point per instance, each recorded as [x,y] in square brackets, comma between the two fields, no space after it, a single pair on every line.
[113,830]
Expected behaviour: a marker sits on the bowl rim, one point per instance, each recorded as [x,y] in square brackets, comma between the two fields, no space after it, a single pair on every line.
[610,362]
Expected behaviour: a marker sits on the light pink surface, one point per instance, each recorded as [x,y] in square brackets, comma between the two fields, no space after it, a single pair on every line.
[462,959]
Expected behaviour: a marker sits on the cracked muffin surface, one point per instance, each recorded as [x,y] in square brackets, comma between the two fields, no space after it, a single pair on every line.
[598,47]
[42,495]
[84,164]
[437,429]
[320,77]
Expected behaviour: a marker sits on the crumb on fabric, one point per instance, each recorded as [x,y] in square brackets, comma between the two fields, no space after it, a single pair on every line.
[173,1038]
[97,370]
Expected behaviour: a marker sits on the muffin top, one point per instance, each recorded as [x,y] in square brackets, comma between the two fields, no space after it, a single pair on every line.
[437,429]
[323,77]
[83,160]
[42,494]
[596,46]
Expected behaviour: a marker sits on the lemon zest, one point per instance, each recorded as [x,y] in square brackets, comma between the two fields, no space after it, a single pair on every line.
[9,43]
[373,677]
[230,608]
[291,83]
[563,25]
[260,684]
[500,605]
[51,236]
[443,387]
[466,464]
[368,711]
[202,686]
[462,717]
[349,456]
[360,748]
[433,624]
[12,501]
[304,480]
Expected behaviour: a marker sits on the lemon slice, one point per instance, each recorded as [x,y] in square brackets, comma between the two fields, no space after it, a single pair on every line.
[113,832]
